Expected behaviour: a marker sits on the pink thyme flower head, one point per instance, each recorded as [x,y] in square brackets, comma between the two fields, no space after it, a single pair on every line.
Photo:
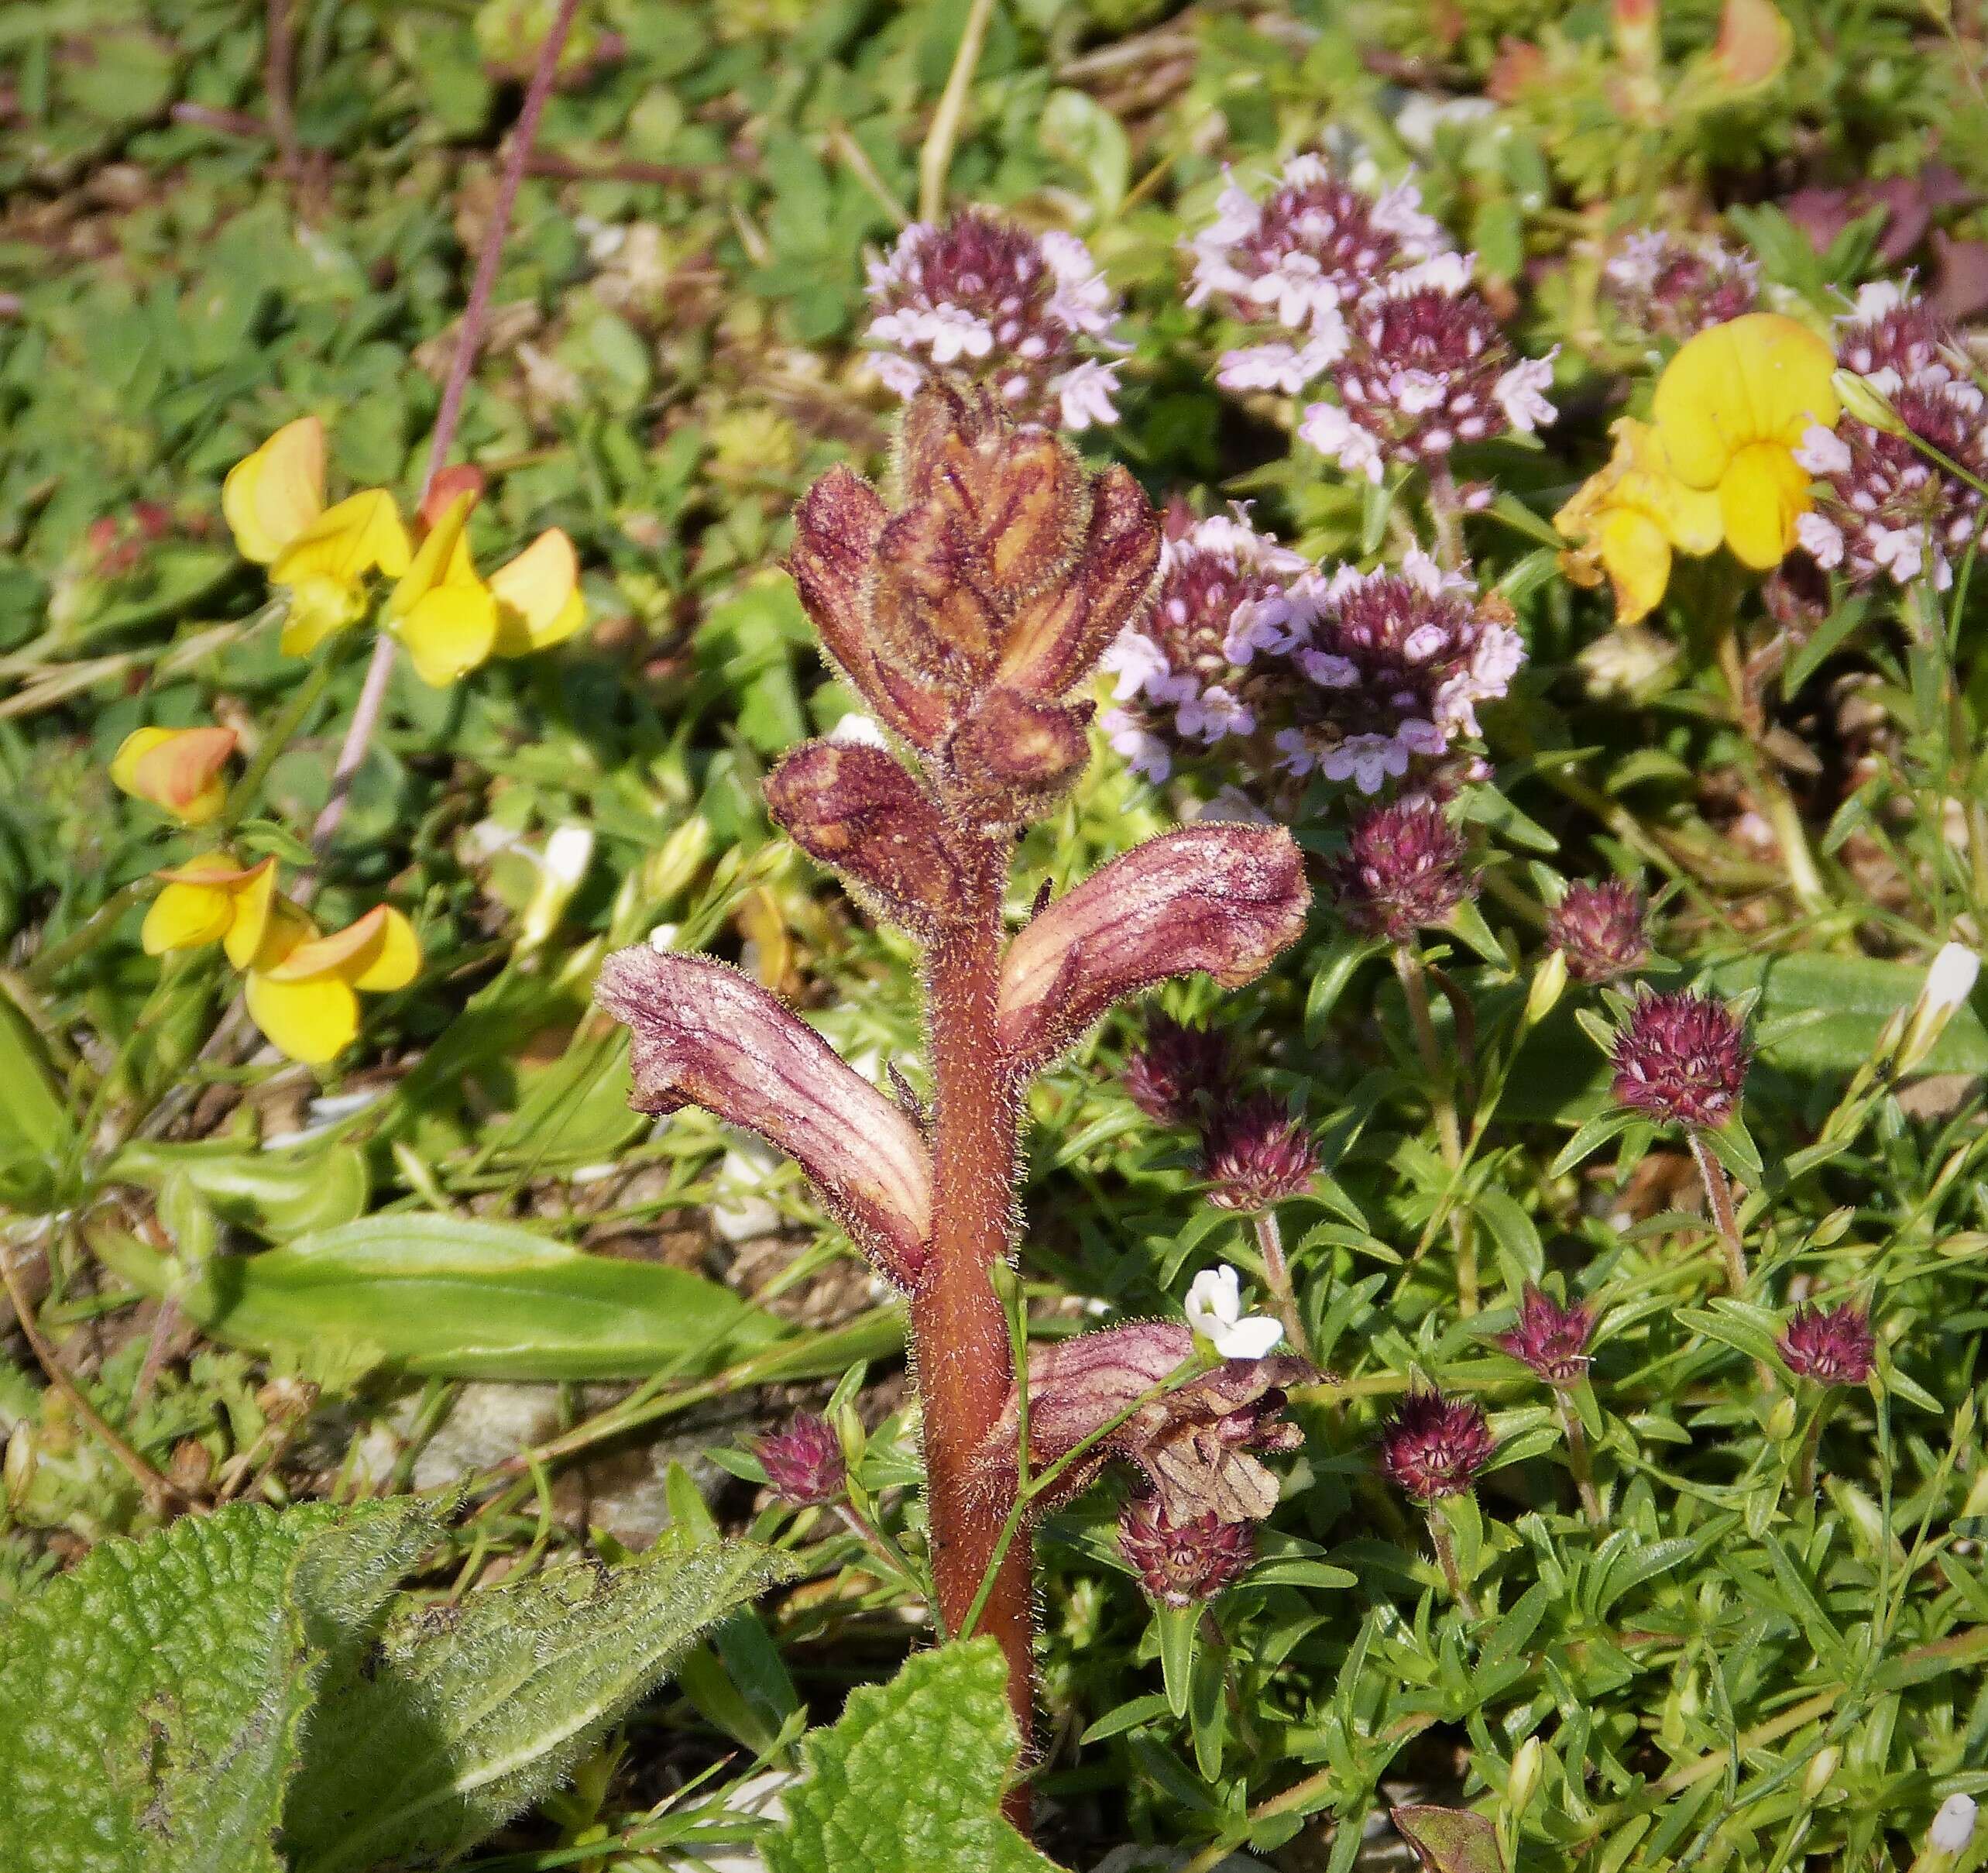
[1180,1071]
[1885,509]
[978,296]
[1681,1058]
[1832,1345]
[1404,870]
[1434,1446]
[1316,240]
[1426,366]
[1551,1339]
[804,1463]
[1182,1564]
[1255,1154]
[1599,928]
[1386,668]
[1673,285]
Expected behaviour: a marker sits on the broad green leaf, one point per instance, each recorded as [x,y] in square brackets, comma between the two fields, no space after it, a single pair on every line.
[34,1131]
[911,1779]
[441,1297]
[151,1700]
[278,1194]
[471,1712]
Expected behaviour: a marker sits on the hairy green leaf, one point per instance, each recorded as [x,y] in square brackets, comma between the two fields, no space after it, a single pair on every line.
[151,1700]
[911,1777]
[472,1712]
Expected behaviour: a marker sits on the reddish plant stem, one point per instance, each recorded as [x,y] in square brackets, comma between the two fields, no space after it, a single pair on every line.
[959,1329]
[279,46]
[468,341]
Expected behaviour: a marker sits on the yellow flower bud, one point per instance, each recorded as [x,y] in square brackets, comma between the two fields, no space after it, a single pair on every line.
[176,770]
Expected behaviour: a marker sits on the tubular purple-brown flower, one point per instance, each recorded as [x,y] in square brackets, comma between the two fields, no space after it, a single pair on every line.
[1194,1445]
[857,809]
[702,1034]
[1218,897]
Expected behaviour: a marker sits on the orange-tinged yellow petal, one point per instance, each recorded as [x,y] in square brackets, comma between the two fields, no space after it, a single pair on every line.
[1762,378]
[1764,493]
[254,896]
[378,952]
[1635,554]
[538,595]
[442,610]
[364,532]
[186,916]
[272,496]
[312,1022]
[177,770]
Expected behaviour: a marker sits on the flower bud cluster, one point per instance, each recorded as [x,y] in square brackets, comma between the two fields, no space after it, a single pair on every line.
[1664,285]
[1887,509]
[1364,293]
[1354,675]
[1680,1058]
[1832,1345]
[978,296]
[1599,928]
[1405,869]
[1434,1447]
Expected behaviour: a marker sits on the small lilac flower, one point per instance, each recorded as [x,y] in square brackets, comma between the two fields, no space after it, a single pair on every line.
[1887,511]
[1427,366]
[1681,1058]
[1255,1154]
[1179,1072]
[1551,1339]
[1599,929]
[1183,1564]
[1404,870]
[1832,1345]
[1434,1447]
[1672,286]
[804,1463]
[981,297]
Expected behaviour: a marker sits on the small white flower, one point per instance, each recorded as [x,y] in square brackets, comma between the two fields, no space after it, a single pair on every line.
[1950,979]
[1953,1826]
[1138,662]
[1214,1310]
[1521,392]
[568,853]
[1366,760]
[1822,539]
[1084,392]
[1823,451]
[1334,434]
[1143,753]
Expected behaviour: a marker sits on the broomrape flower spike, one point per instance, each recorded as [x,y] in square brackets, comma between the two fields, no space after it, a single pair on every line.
[970,607]
[176,770]
[1214,1312]
[321,558]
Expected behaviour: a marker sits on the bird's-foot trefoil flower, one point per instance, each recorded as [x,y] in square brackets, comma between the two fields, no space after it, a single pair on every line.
[321,557]
[176,770]
[1627,520]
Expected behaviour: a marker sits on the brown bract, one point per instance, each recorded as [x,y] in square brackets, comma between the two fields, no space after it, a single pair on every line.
[966,616]
[1219,897]
[700,1034]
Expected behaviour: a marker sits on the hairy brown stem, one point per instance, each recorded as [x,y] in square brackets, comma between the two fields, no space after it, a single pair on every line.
[1277,1277]
[468,341]
[1446,1558]
[959,1328]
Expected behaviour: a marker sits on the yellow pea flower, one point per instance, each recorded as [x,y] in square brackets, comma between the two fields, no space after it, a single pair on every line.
[1626,519]
[176,770]
[303,989]
[1731,409]
[451,619]
[205,900]
[274,504]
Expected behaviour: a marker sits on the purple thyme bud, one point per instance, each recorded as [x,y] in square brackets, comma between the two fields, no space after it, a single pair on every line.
[1427,366]
[1403,869]
[1179,1071]
[981,298]
[1673,285]
[1886,510]
[1182,1564]
[1681,1058]
[804,1463]
[1255,1154]
[1598,929]
[1832,1345]
[1434,1447]
[1551,1339]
